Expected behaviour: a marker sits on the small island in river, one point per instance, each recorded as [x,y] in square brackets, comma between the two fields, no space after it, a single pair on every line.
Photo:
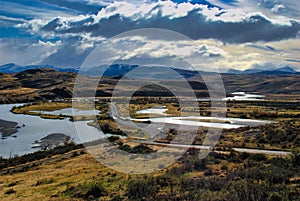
[8,128]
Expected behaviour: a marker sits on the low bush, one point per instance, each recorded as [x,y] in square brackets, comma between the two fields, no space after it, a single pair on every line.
[91,190]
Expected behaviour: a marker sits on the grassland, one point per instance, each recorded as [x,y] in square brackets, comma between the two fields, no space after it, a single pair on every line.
[218,177]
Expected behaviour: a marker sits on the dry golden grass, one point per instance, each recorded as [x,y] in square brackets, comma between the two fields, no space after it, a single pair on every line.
[43,106]
[49,181]
[21,91]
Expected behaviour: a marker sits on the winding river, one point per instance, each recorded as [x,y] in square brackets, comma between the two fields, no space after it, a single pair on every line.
[36,128]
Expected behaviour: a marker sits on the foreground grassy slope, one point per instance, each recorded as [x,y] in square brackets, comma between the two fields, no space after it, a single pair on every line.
[218,177]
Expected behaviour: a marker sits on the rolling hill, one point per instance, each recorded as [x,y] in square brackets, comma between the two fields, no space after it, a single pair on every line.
[49,84]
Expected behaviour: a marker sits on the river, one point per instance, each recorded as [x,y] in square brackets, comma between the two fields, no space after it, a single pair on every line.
[36,128]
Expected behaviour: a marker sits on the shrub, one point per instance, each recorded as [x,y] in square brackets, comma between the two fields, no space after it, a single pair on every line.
[248,191]
[139,149]
[12,184]
[224,166]
[113,138]
[10,191]
[87,190]
[43,181]
[200,164]
[208,172]
[258,157]
[142,190]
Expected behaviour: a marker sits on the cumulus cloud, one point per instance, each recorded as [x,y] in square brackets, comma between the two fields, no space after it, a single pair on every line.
[195,21]
[277,9]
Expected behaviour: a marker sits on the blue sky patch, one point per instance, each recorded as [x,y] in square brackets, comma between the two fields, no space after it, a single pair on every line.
[196,2]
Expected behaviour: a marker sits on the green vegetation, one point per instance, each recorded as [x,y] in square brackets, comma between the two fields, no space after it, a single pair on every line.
[268,109]
[283,135]
[220,176]
[138,149]
[88,191]
[246,179]
[10,191]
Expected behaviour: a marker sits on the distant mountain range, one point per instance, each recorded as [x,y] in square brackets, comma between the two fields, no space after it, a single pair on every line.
[132,71]
[116,70]
[14,68]
[276,71]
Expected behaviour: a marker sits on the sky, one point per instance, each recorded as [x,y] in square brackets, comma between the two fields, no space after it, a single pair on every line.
[223,34]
